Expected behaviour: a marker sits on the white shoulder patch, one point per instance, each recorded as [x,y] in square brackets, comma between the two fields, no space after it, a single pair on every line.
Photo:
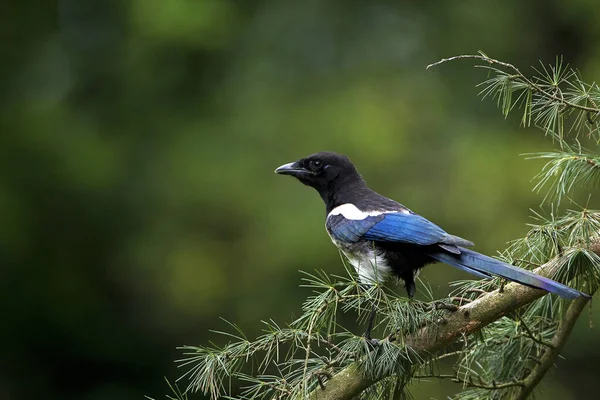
[350,211]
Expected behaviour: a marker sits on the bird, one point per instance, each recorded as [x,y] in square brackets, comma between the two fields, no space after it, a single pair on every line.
[381,238]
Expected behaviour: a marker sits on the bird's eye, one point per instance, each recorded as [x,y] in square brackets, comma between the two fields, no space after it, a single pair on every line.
[315,165]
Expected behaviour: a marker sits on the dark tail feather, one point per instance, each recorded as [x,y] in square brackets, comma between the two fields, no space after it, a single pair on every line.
[484,266]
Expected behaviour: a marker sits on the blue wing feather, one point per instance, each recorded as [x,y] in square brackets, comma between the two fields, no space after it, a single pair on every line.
[393,227]
[350,230]
[407,228]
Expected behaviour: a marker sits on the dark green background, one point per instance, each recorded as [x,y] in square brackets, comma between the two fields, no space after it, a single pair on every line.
[138,140]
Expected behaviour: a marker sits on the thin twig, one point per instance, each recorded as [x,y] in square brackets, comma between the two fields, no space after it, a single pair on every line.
[460,300]
[480,292]
[450,354]
[330,344]
[551,354]
[532,85]
[522,260]
[469,382]
[471,56]
[531,335]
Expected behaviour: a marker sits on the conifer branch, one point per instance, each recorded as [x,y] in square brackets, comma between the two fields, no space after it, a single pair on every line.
[468,319]
[518,74]
[552,353]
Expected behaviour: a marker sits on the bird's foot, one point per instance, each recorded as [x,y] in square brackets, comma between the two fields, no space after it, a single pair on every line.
[367,336]
[440,305]
[322,377]
[371,342]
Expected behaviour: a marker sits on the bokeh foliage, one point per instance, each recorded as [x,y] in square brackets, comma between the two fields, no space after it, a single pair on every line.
[138,143]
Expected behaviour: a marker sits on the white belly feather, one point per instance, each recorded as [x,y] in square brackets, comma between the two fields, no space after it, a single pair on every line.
[369,265]
[370,268]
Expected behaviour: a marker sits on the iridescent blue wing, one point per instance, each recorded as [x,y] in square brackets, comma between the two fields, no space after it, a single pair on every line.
[390,227]
[406,228]
[343,229]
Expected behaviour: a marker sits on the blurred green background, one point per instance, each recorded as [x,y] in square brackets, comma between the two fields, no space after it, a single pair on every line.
[138,201]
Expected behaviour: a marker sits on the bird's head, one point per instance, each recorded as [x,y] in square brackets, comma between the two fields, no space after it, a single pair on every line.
[321,170]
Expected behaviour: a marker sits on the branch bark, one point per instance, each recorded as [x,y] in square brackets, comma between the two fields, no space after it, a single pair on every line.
[468,319]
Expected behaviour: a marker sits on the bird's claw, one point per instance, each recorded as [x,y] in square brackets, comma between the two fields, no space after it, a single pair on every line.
[440,305]
[374,343]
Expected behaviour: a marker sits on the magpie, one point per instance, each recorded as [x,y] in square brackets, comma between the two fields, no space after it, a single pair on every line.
[380,237]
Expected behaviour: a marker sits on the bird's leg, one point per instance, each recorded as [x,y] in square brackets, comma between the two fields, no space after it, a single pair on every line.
[501,288]
[409,284]
[371,319]
[370,323]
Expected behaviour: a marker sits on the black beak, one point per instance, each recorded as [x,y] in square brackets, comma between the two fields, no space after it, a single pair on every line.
[292,168]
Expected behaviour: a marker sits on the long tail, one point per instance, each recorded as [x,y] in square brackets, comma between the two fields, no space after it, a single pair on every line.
[485,267]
